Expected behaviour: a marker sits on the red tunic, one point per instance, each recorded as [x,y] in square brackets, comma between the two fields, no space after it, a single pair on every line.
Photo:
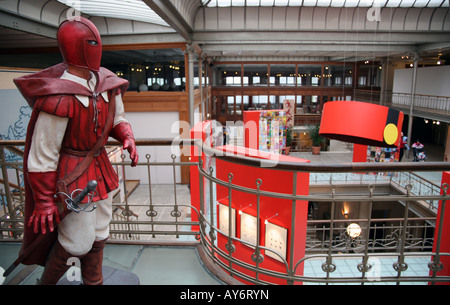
[45,91]
[80,137]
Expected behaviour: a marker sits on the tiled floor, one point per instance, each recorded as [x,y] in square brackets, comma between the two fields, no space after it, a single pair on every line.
[181,265]
[154,265]
[381,267]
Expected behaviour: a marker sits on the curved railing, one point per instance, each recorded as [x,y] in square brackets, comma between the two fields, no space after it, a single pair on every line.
[400,243]
[405,241]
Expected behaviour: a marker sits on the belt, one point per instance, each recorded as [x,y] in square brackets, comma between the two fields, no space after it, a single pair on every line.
[80,153]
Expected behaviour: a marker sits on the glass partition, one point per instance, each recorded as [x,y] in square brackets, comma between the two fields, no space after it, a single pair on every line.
[148,69]
[227,75]
[256,74]
[309,75]
[337,75]
[282,75]
[369,74]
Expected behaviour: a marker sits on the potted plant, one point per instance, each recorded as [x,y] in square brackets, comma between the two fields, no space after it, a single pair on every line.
[288,140]
[316,138]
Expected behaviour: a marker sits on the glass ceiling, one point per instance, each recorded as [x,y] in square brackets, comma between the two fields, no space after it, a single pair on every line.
[122,9]
[326,3]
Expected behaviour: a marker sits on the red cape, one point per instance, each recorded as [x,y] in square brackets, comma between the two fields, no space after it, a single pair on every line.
[33,86]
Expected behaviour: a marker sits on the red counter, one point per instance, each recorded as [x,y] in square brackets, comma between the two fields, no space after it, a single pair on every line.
[279,213]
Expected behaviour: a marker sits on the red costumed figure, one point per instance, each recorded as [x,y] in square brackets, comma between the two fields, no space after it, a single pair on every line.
[76,106]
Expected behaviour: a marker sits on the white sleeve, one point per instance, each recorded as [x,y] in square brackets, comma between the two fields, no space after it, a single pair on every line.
[46,143]
[119,116]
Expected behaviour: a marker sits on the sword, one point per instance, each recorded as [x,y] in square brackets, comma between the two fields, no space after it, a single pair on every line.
[72,205]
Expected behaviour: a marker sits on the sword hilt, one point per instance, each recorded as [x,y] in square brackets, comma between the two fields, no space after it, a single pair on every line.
[91,186]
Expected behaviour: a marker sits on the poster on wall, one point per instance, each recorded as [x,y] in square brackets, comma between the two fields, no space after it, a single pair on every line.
[382,154]
[249,226]
[276,240]
[224,220]
[288,107]
[272,131]
[264,134]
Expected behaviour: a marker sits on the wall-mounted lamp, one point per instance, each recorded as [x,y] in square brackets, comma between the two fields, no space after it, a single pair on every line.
[345,212]
[240,211]
[267,219]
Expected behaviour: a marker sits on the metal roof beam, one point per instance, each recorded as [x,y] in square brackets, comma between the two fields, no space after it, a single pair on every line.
[166,10]
[20,23]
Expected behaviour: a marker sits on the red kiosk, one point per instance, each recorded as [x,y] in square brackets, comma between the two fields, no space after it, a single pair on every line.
[279,221]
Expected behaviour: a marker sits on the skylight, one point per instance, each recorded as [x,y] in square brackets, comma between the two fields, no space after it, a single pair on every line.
[327,3]
[121,9]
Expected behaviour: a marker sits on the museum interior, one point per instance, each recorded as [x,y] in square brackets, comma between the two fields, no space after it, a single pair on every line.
[269,139]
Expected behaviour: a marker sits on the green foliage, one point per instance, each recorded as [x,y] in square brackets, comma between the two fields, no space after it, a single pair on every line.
[316,138]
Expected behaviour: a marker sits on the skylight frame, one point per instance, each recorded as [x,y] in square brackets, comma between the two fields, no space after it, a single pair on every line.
[328,3]
[135,10]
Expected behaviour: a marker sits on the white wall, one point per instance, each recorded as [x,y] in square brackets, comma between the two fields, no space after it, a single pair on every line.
[154,125]
[430,81]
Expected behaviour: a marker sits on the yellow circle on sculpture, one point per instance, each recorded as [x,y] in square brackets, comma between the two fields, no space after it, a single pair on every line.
[390,134]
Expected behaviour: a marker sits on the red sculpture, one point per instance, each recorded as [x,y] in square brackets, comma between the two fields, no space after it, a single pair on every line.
[361,123]
[76,105]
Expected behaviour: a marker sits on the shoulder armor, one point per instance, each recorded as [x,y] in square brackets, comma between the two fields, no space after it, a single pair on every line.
[58,105]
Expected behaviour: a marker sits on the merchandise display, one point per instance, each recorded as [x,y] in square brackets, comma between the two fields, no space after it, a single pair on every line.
[382,154]
[271,130]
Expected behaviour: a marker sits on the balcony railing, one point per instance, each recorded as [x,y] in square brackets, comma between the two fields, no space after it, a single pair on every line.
[327,241]
[424,105]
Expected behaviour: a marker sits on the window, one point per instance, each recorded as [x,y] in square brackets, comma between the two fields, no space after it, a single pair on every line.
[256,74]
[228,75]
[282,74]
[309,75]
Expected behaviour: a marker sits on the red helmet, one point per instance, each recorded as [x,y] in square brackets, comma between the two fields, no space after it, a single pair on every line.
[80,43]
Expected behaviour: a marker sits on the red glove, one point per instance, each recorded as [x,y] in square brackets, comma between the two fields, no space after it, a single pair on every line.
[43,185]
[123,133]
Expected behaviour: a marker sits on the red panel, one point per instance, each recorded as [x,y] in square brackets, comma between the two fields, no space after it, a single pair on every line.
[251,125]
[357,122]
[359,153]
[445,237]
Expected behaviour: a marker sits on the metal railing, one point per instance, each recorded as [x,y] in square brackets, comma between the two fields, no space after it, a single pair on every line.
[404,238]
[327,240]
[431,102]
[404,181]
